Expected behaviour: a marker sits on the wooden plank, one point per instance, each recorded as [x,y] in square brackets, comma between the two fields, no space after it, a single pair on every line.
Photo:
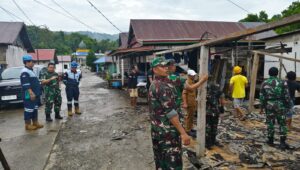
[122,71]
[253,81]
[276,55]
[240,34]
[201,110]
[280,68]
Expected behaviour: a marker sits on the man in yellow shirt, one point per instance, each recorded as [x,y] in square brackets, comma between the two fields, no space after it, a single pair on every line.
[238,84]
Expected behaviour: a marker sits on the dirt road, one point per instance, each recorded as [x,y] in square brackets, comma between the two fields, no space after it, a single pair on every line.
[108,135]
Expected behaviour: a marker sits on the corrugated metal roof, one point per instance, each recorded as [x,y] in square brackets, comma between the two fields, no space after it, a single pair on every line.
[176,30]
[260,35]
[123,39]
[10,32]
[44,54]
[104,59]
[128,50]
[283,35]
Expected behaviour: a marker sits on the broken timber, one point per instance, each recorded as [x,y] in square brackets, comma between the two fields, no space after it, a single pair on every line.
[201,110]
[200,150]
[258,54]
[253,80]
[240,34]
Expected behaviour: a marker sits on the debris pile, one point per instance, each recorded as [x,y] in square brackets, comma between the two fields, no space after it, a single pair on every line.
[244,145]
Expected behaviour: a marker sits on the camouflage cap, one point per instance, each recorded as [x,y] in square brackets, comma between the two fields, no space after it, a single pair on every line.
[159,61]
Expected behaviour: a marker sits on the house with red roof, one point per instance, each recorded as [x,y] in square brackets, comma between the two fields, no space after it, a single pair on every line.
[44,56]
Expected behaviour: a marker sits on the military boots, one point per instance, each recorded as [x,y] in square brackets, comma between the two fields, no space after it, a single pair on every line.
[28,126]
[70,113]
[57,116]
[283,145]
[77,111]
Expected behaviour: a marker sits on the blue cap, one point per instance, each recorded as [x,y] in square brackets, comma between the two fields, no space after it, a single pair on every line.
[27,57]
[74,64]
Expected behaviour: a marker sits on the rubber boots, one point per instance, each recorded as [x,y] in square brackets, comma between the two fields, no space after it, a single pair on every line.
[283,145]
[215,142]
[270,141]
[208,143]
[48,117]
[57,115]
[77,111]
[70,113]
[36,124]
[28,126]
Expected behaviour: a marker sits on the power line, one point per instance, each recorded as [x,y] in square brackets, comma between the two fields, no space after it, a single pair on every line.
[239,6]
[72,15]
[103,15]
[11,14]
[22,11]
[54,10]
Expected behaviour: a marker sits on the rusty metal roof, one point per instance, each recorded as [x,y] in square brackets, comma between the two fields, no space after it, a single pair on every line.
[260,35]
[178,30]
[123,39]
[10,31]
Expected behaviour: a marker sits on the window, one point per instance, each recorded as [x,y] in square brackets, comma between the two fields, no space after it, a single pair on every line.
[65,66]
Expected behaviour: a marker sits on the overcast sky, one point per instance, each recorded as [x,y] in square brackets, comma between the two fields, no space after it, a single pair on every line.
[121,11]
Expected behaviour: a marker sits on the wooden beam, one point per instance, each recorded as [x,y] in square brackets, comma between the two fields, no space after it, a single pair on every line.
[280,67]
[276,55]
[201,110]
[240,34]
[122,71]
[253,81]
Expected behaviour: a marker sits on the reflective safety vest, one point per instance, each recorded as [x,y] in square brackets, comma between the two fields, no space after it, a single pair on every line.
[71,78]
[29,80]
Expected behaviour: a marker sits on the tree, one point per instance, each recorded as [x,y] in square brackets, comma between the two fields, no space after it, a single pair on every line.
[262,17]
[90,60]
[293,9]
[250,18]
[65,43]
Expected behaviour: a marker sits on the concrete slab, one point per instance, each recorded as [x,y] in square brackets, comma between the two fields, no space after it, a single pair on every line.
[23,149]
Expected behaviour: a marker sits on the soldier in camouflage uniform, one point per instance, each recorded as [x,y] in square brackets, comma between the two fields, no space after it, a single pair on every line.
[52,92]
[276,101]
[166,130]
[214,107]
[178,82]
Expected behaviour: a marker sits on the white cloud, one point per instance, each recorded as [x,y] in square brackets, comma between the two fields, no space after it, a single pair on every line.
[121,11]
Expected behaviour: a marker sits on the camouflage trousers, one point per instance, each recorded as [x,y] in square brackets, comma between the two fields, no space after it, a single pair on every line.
[272,116]
[167,153]
[211,126]
[53,97]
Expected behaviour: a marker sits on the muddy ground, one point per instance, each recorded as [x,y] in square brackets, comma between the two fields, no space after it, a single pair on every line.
[111,135]
[108,135]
